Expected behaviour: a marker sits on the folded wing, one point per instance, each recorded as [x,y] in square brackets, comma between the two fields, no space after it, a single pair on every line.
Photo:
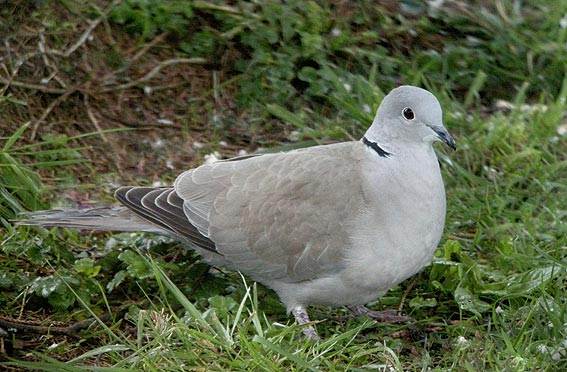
[279,216]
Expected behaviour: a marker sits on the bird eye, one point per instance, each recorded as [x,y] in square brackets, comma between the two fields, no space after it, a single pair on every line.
[408,114]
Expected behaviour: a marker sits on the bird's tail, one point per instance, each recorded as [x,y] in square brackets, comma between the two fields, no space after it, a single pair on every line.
[103,219]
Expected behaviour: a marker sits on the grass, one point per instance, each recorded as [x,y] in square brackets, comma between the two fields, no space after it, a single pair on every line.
[494,298]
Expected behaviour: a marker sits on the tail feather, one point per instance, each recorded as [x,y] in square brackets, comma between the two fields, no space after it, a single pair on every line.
[103,218]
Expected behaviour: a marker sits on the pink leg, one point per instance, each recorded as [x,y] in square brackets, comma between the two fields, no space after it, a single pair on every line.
[301,318]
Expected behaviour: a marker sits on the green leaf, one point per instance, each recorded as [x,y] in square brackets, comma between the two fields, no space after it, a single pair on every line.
[419,302]
[62,298]
[469,302]
[286,115]
[311,44]
[116,280]
[135,265]
[223,305]
[536,278]
[86,267]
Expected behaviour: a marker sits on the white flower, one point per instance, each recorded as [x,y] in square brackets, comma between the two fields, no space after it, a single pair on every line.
[212,157]
[462,341]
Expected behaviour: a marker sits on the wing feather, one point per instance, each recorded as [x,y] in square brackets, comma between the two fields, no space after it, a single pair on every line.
[284,215]
[160,207]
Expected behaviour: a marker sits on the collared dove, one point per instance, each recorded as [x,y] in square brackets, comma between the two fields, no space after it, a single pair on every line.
[334,225]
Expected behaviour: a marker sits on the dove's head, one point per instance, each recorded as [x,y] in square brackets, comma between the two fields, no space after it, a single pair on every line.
[409,114]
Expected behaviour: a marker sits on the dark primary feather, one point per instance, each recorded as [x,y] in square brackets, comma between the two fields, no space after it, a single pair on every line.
[164,208]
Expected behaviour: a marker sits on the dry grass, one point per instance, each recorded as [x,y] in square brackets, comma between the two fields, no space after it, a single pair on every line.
[88,76]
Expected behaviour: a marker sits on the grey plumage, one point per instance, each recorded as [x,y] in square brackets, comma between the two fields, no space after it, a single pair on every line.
[328,225]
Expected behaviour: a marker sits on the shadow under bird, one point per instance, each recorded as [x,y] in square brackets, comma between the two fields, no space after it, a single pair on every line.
[333,225]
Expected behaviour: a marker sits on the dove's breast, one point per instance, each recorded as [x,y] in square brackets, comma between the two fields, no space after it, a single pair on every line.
[398,231]
[392,237]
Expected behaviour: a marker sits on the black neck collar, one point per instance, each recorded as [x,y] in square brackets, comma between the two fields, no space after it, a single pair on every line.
[374,146]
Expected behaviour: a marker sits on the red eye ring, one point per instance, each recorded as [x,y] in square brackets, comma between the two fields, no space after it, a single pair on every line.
[408,114]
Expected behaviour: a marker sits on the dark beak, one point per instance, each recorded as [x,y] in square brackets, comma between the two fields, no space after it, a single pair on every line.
[445,137]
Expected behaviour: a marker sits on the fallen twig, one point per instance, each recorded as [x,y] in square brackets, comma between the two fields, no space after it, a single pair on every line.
[49,108]
[93,118]
[154,72]
[41,88]
[84,37]
[15,326]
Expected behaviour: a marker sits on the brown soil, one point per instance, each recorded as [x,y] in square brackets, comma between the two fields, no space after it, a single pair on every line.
[74,76]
